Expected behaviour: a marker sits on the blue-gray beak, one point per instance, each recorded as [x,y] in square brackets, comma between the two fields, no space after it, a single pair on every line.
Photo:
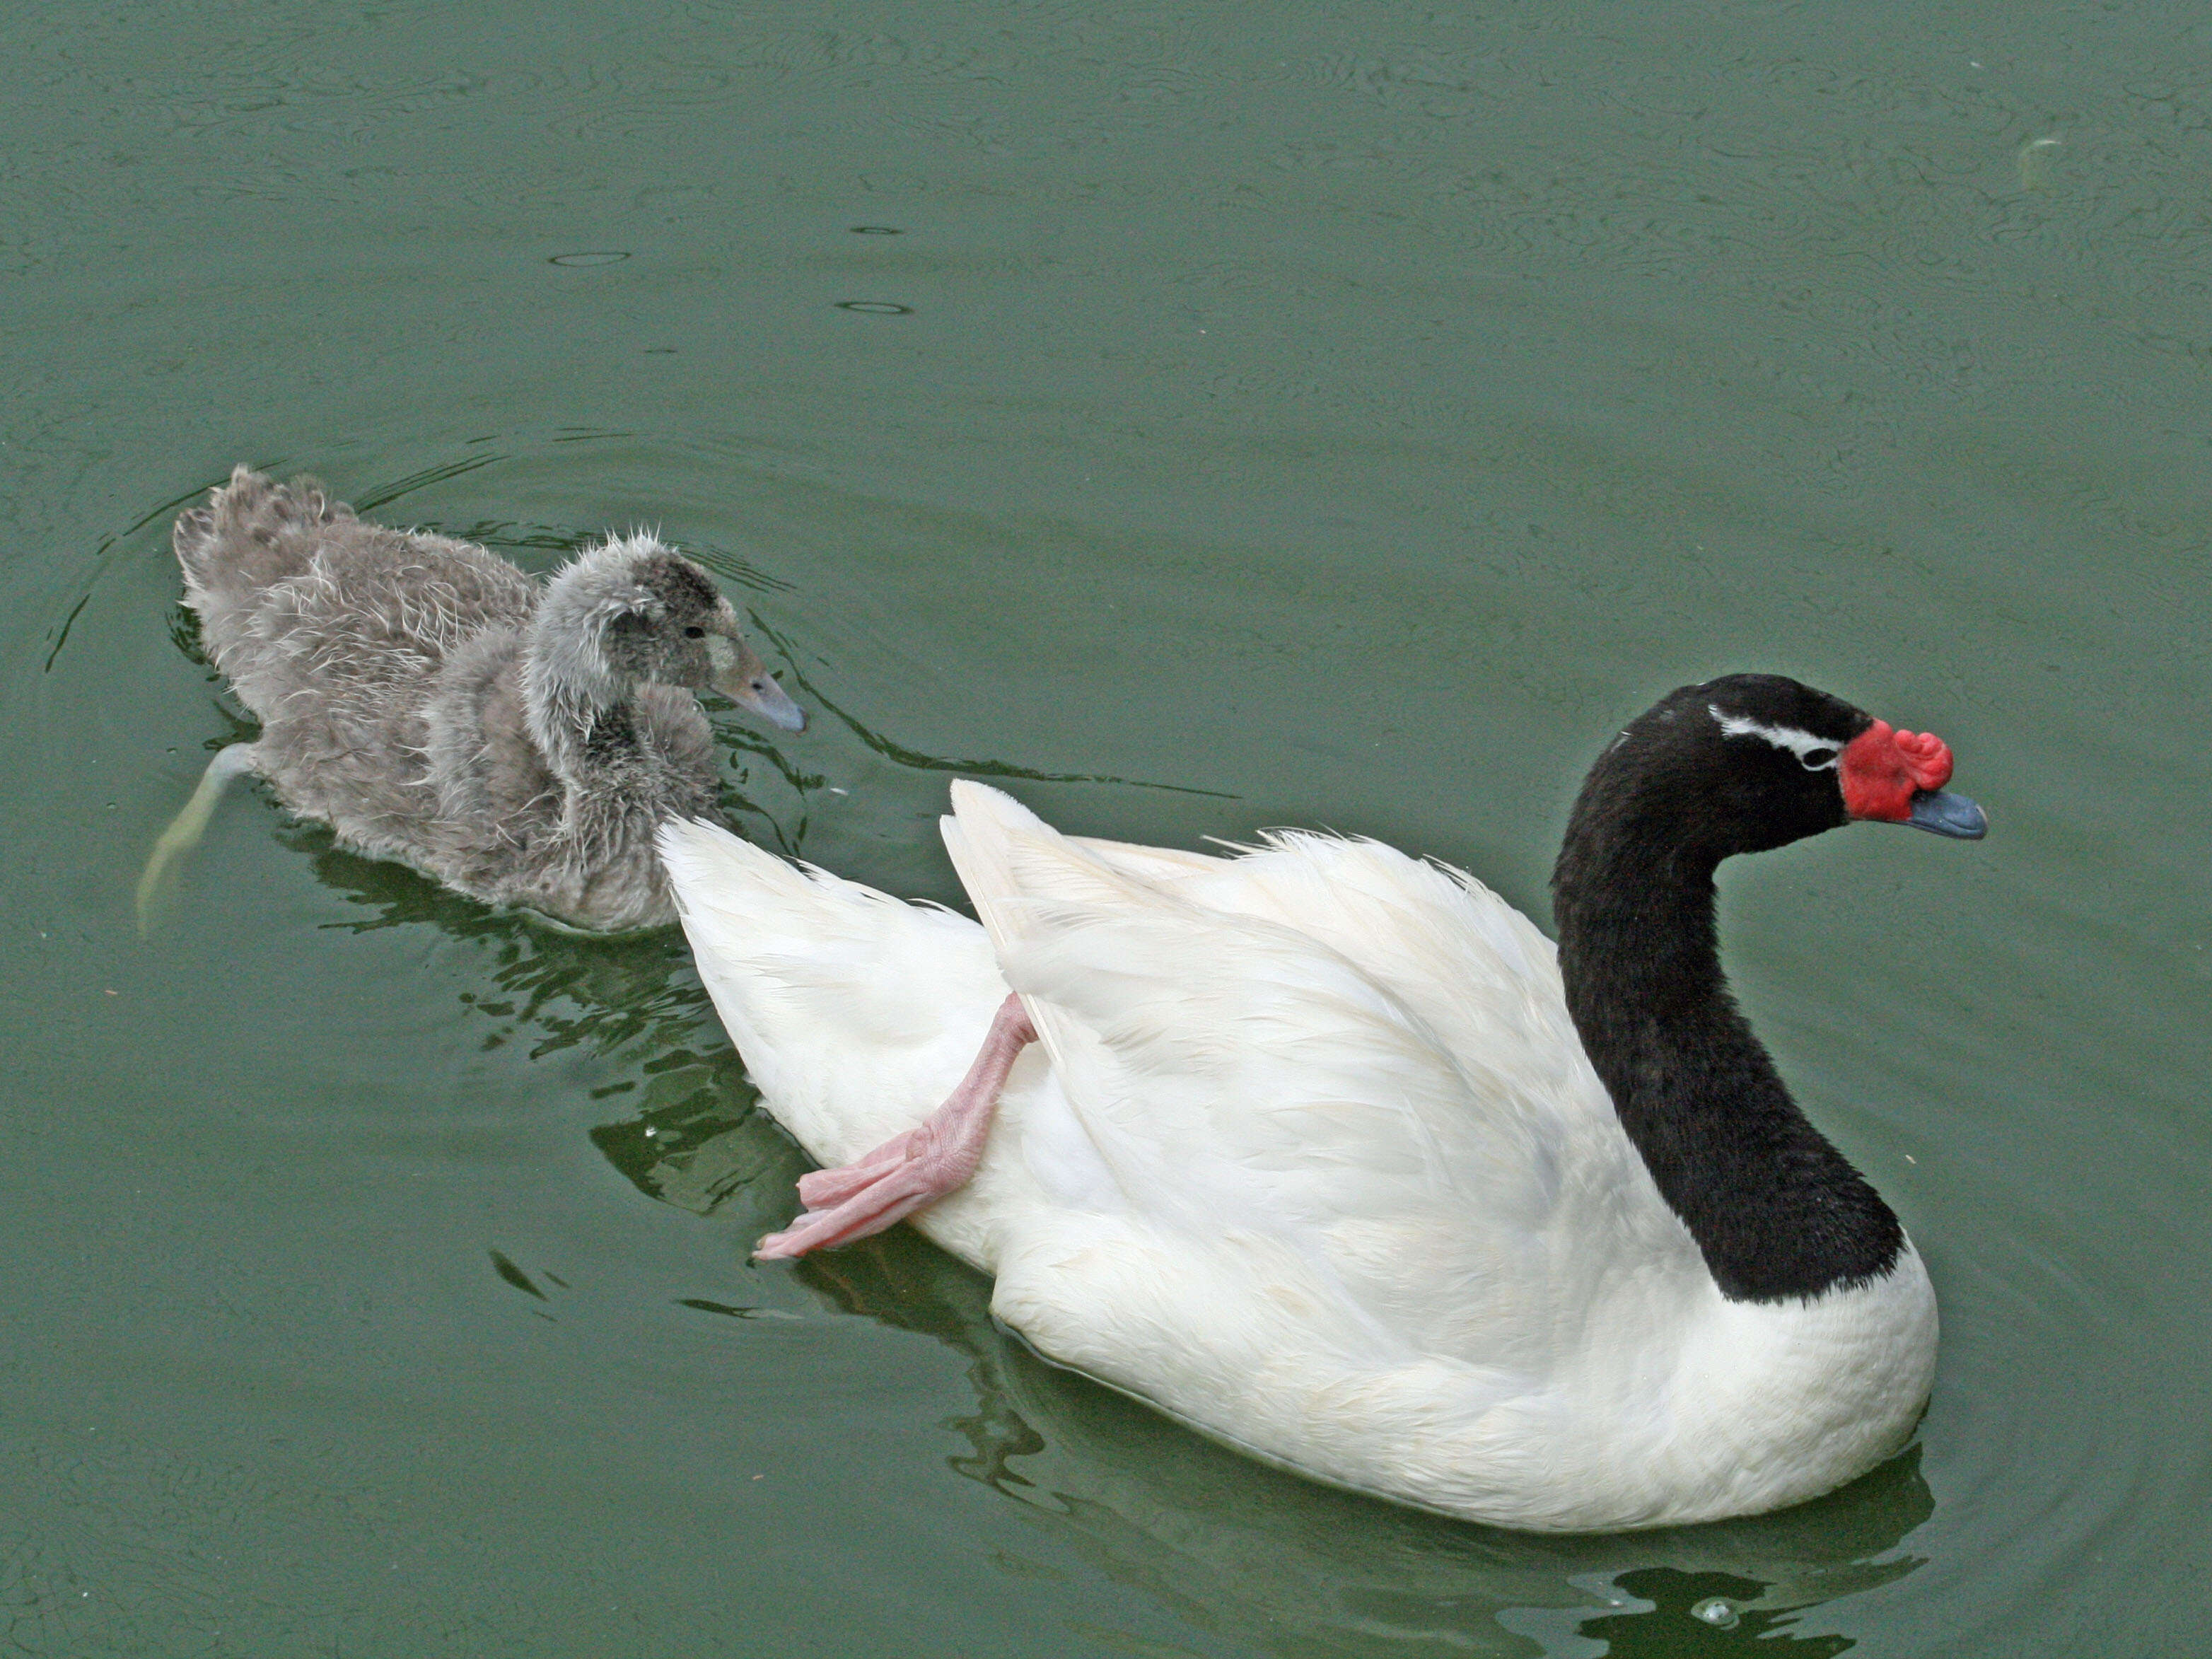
[1940,812]
[741,676]
[772,704]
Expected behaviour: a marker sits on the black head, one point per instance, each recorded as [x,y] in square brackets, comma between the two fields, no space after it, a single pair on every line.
[1750,761]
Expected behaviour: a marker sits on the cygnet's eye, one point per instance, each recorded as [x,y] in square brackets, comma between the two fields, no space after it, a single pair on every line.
[1817,760]
[695,633]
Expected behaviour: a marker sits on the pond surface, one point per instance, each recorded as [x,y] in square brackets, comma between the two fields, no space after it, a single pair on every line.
[1199,418]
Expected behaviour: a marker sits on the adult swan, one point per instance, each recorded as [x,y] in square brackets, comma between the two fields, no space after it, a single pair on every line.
[1329,1154]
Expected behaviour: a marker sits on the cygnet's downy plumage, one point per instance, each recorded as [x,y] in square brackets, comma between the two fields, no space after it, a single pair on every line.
[519,741]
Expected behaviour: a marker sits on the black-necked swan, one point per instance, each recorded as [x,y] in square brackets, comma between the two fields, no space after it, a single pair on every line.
[519,741]
[1329,1154]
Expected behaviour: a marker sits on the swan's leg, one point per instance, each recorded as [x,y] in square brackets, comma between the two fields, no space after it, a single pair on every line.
[185,829]
[935,1157]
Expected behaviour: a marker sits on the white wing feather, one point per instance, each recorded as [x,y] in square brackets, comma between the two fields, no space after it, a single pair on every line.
[1326,1044]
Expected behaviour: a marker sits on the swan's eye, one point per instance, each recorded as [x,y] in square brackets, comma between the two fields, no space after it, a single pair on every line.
[695,633]
[1817,760]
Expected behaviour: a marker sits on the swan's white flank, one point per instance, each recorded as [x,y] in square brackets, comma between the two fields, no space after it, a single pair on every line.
[1308,1156]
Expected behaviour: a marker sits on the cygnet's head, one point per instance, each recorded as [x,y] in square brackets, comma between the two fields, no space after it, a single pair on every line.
[632,609]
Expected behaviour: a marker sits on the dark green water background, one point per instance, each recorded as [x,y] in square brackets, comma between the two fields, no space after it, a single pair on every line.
[1339,413]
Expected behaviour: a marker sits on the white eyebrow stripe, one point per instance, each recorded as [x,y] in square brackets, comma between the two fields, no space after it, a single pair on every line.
[1800,744]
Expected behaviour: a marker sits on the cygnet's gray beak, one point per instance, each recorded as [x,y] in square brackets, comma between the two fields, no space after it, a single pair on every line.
[739,674]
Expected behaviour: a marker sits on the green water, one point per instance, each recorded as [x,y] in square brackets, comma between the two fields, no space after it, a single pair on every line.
[1311,413]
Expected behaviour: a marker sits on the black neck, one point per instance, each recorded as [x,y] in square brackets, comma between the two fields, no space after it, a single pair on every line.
[1776,1210]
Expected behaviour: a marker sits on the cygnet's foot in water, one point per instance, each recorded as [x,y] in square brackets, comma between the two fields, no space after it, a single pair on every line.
[935,1157]
[185,829]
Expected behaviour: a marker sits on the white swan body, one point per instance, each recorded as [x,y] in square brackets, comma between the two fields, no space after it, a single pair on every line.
[1308,1156]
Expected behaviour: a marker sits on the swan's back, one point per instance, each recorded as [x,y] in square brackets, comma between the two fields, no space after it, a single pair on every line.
[1350,1060]
[1320,1040]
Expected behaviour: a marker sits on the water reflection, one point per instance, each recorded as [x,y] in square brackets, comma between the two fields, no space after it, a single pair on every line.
[1702,1612]
[1230,1544]
[688,1134]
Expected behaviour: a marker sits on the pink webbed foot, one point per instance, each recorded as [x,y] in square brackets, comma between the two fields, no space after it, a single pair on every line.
[937,1157]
